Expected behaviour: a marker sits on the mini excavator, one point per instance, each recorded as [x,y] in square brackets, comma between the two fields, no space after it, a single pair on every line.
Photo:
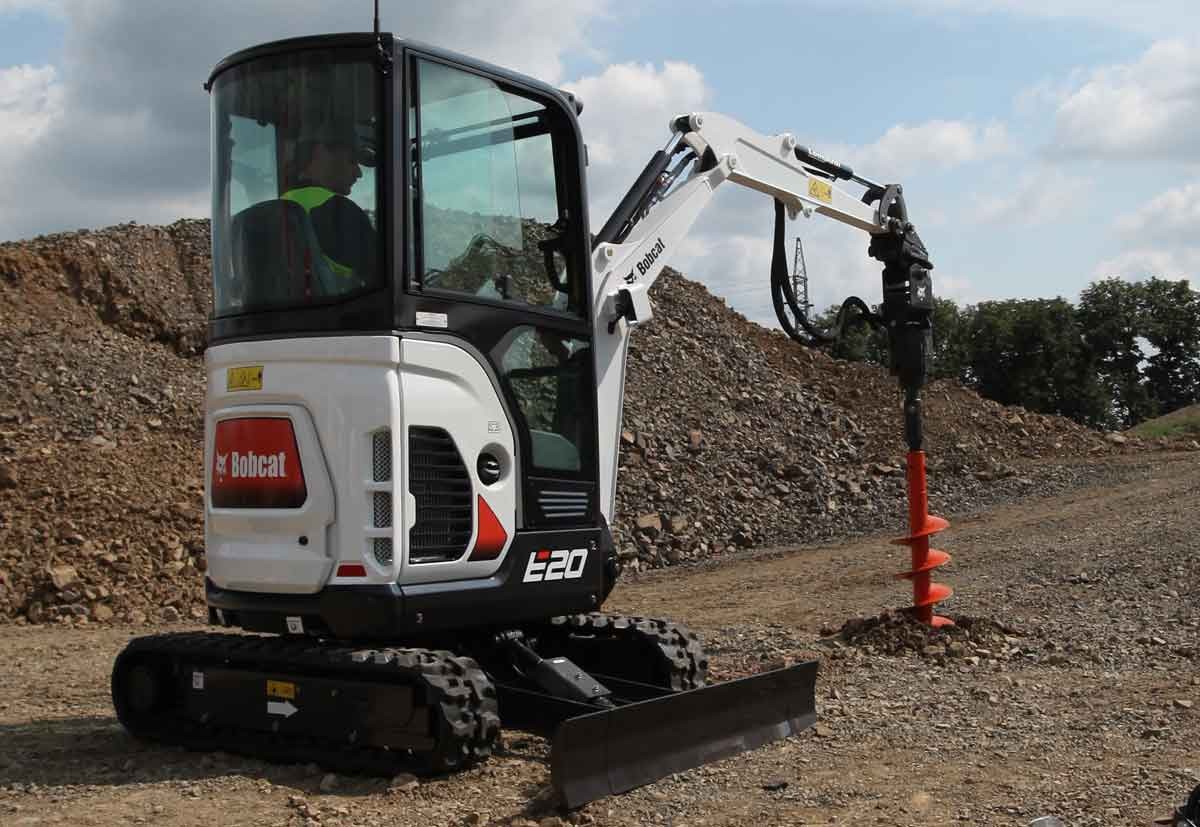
[415,375]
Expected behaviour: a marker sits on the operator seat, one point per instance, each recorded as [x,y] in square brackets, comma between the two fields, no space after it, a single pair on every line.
[277,258]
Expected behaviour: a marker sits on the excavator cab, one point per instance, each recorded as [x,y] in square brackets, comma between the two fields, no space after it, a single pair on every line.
[433,302]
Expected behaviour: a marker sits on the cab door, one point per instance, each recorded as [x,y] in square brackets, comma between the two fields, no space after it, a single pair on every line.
[499,260]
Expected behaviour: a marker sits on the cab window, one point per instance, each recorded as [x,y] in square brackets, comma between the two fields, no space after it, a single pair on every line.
[294,213]
[492,211]
[550,377]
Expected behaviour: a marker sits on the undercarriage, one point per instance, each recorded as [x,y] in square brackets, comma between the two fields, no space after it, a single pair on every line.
[618,695]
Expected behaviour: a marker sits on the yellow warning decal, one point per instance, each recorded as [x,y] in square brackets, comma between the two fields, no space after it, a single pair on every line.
[281,689]
[244,379]
[820,190]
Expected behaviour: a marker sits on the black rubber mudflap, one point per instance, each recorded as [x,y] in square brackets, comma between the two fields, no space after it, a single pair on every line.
[616,750]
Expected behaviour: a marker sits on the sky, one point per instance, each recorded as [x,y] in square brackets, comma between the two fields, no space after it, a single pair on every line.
[1041,145]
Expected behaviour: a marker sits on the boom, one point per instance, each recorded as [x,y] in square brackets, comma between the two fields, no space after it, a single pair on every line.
[657,213]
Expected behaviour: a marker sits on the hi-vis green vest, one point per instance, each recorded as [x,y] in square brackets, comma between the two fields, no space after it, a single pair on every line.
[310,198]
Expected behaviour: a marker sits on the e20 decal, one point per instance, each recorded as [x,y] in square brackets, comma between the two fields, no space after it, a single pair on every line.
[560,564]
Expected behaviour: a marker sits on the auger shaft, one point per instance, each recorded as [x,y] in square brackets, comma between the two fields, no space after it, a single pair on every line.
[922,525]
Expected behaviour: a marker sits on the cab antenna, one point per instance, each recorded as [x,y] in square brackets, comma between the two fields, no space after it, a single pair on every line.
[382,54]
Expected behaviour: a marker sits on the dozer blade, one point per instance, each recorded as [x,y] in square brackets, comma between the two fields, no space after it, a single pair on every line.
[616,750]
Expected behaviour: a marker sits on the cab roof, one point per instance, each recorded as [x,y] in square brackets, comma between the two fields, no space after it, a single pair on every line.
[393,46]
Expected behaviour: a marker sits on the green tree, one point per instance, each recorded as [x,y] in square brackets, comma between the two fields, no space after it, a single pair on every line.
[1111,317]
[951,340]
[1029,352]
[1170,322]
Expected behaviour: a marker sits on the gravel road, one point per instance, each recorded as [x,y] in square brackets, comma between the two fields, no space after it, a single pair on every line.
[1079,700]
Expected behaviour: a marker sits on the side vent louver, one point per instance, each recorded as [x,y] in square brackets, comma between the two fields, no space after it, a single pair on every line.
[381,501]
[564,504]
[441,486]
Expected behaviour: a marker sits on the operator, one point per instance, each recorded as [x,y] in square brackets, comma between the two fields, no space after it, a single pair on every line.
[326,167]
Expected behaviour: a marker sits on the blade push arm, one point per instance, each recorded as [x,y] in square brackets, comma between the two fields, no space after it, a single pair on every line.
[654,218]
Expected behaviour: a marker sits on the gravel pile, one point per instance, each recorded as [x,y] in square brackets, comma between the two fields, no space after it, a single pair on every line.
[974,639]
[734,436]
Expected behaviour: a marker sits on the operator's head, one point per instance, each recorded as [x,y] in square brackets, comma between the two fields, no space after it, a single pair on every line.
[328,162]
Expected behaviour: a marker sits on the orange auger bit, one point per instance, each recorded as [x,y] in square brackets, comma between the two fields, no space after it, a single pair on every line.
[921,526]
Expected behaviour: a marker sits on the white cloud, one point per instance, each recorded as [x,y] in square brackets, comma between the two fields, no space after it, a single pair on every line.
[1143,262]
[30,100]
[936,144]
[1162,238]
[1153,17]
[1172,217]
[1147,109]
[1040,197]
[11,6]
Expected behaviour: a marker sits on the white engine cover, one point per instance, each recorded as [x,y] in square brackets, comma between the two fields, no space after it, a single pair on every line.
[339,393]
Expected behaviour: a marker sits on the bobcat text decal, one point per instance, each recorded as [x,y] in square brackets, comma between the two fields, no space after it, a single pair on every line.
[647,261]
[251,465]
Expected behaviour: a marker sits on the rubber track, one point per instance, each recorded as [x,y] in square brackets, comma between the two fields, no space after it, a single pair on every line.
[683,655]
[467,727]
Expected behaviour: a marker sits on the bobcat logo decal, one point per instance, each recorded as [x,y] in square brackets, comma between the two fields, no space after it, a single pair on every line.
[221,461]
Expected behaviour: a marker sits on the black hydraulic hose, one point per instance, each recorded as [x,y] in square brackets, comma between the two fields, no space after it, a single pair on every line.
[783,294]
[781,291]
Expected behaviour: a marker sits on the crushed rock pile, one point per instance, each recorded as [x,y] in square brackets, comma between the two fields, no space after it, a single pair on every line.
[974,639]
[734,436]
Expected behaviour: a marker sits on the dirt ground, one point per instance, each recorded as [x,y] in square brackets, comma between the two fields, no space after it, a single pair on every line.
[1085,708]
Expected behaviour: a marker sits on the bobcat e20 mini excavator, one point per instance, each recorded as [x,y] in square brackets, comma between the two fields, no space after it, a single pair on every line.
[415,379]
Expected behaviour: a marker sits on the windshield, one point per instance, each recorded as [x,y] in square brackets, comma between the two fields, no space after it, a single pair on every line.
[294,186]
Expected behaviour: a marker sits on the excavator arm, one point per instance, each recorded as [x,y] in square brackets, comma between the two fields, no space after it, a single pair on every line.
[706,150]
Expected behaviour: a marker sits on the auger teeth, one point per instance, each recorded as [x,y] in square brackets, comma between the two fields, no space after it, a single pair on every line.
[922,525]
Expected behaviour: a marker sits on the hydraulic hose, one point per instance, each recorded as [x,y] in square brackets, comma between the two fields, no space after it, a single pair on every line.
[783,297]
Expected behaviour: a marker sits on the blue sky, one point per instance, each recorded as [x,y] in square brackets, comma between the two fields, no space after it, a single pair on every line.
[1041,144]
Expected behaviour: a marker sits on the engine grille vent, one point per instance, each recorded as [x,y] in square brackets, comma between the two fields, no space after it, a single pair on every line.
[441,486]
[383,509]
[383,551]
[381,501]
[381,456]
